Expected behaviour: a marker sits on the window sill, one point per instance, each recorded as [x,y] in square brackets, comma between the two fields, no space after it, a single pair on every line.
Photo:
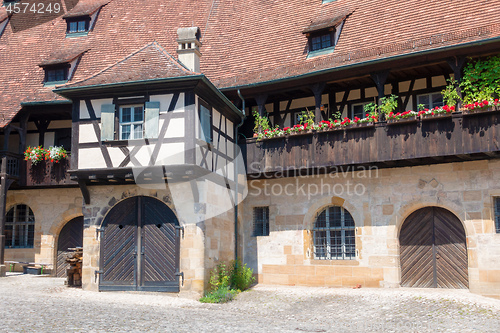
[335,262]
[327,50]
[125,143]
[54,83]
[76,34]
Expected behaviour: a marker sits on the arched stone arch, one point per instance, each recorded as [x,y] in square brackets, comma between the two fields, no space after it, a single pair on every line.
[318,205]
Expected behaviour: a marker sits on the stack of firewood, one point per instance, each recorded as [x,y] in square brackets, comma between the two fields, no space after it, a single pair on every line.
[74,271]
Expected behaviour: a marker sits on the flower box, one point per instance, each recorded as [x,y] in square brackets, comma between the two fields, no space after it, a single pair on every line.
[435,116]
[401,121]
[489,109]
[353,126]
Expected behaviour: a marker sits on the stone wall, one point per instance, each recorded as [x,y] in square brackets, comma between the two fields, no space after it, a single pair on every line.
[379,201]
[52,208]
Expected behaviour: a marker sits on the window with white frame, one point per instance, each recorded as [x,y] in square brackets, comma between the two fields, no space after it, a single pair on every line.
[497,215]
[334,234]
[131,122]
[19,227]
[430,101]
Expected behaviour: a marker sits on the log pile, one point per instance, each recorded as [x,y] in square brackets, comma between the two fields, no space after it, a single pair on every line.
[74,271]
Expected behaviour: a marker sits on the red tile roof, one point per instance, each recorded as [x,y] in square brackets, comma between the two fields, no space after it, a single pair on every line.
[64,55]
[243,42]
[83,8]
[148,63]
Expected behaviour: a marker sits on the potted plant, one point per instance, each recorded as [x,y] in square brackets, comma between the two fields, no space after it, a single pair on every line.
[450,93]
[483,106]
[437,112]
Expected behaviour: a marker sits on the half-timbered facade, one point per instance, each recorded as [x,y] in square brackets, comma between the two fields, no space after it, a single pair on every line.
[155,104]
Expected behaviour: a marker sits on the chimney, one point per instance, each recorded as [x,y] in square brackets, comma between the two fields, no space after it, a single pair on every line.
[189,47]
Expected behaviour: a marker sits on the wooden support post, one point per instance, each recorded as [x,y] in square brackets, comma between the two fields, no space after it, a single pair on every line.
[42,126]
[4,187]
[379,79]
[457,64]
[317,90]
[332,104]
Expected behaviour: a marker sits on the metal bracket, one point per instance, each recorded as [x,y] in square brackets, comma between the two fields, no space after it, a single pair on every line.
[96,273]
[97,231]
[180,228]
[181,274]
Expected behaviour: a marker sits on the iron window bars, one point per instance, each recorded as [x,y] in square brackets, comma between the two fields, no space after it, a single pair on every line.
[334,236]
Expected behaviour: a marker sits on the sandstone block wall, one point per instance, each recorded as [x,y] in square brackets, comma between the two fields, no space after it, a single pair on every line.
[379,201]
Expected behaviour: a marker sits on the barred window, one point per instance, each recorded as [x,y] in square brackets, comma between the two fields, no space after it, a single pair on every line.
[261,221]
[19,227]
[334,234]
[497,214]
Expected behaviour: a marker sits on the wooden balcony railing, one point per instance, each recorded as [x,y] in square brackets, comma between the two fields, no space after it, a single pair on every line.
[457,137]
[10,164]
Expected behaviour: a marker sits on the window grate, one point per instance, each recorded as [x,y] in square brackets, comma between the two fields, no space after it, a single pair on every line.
[19,227]
[261,221]
[334,236]
[497,215]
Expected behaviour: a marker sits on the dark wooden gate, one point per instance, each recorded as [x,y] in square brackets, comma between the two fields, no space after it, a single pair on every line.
[433,250]
[140,247]
[71,236]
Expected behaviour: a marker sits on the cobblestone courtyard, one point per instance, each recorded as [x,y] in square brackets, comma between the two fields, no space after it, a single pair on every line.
[43,304]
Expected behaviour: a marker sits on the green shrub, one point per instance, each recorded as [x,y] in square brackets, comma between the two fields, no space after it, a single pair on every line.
[226,283]
[221,295]
[481,79]
[241,276]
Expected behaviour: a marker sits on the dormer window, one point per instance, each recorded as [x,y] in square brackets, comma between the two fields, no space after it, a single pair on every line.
[56,74]
[320,40]
[78,25]
[323,33]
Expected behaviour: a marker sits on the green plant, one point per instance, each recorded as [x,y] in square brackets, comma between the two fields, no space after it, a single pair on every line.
[221,295]
[450,93]
[371,109]
[307,117]
[261,123]
[481,79]
[337,115]
[388,104]
[241,276]
[421,107]
[226,282]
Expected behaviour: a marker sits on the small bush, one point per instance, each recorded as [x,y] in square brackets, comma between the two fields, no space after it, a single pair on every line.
[226,283]
[241,276]
[221,295]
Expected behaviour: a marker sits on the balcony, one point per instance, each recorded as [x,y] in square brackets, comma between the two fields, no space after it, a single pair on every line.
[10,164]
[458,137]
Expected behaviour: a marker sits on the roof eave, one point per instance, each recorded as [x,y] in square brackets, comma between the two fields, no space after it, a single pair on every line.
[360,64]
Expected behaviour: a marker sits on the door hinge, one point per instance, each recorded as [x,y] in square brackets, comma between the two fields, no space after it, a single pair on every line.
[97,273]
[97,231]
[181,274]
[180,229]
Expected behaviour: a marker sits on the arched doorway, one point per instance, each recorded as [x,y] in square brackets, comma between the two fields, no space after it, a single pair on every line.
[71,236]
[433,250]
[140,247]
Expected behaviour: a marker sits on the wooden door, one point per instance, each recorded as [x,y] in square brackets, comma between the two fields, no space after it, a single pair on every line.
[433,250]
[140,247]
[71,236]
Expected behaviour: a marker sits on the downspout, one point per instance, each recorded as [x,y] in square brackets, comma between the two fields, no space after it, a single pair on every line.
[236,178]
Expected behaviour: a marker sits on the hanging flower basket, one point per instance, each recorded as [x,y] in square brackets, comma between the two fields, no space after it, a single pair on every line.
[56,154]
[35,154]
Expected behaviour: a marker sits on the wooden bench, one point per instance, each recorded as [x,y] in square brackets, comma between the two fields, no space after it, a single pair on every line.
[24,263]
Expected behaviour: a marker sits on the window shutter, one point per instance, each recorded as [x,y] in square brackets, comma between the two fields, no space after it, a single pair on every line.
[107,122]
[205,124]
[151,120]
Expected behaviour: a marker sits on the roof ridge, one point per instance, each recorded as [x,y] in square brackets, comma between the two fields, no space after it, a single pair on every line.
[179,64]
[111,66]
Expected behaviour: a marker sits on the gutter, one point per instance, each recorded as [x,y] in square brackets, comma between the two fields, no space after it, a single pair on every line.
[46,103]
[360,64]
[236,180]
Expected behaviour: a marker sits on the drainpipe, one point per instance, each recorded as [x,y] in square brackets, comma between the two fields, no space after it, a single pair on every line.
[236,186]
